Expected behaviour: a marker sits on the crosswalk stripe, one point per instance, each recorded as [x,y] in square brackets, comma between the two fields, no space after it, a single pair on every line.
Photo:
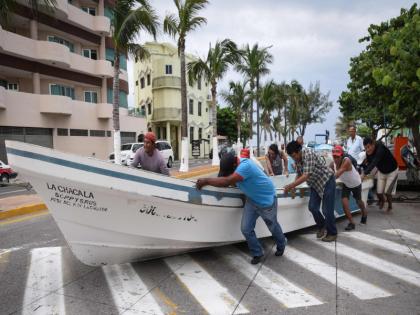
[392,246]
[358,287]
[211,295]
[405,234]
[127,289]
[371,261]
[271,282]
[44,276]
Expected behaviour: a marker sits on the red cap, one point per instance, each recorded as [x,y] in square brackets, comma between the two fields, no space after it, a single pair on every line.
[150,136]
[338,150]
[245,153]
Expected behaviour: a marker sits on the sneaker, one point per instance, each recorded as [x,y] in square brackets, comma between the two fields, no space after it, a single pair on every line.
[279,252]
[329,238]
[320,233]
[256,260]
[363,219]
[350,227]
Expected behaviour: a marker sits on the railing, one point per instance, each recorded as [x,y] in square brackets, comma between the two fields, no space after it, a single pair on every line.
[166,81]
[169,113]
[136,112]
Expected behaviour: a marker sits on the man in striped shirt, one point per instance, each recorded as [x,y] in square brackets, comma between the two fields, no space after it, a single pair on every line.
[311,168]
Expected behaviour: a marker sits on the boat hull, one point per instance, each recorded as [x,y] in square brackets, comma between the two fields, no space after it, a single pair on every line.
[111,214]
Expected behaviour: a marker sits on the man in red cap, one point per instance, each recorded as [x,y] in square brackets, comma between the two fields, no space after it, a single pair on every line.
[149,157]
[352,183]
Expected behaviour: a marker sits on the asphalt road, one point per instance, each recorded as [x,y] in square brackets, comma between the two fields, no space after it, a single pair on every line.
[14,190]
[373,270]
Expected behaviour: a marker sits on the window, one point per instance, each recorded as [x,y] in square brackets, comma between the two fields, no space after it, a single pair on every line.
[90,53]
[199,108]
[3,83]
[97,133]
[143,110]
[199,83]
[149,108]
[191,134]
[78,132]
[61,41]
[62,132]
[91,97]
[108,133]
[168,69]
[148,79]
[91,11]
[13,86]
[191,107]
[142,83]
[200,133]
[158,136]
[57,89]
[137,82]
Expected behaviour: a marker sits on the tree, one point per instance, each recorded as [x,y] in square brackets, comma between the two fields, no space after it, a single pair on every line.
[238,99]
[384,91]
[227,124]
[254,65]
[282,100]
[219,58]
[267,99]
[180,25]
[126,22]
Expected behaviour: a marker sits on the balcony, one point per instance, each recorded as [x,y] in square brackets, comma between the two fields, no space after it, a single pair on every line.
[166,82]
[166,114]
[55,104]
[104,110]
[52,53]
[99,24]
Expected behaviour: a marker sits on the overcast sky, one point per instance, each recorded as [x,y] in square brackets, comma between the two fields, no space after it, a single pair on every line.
[311,40]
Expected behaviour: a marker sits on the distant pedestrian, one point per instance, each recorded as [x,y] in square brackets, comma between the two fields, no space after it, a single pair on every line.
[261,200]
[311,168]
[352,183]
[276,161]
[354,143]
[379,156]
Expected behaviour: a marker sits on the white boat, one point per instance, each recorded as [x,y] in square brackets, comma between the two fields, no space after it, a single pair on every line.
[111,214]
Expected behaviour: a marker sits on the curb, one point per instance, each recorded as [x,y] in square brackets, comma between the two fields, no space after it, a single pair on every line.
[27,209]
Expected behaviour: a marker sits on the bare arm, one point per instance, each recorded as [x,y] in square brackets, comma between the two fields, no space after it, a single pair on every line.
[269,168]
[286,164]
[345,167]
[219,181]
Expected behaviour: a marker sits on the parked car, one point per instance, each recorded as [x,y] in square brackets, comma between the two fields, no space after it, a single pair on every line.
[165,149]
[127,152]
[6,173]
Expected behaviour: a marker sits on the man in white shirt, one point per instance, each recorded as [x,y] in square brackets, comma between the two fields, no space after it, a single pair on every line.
[354,143]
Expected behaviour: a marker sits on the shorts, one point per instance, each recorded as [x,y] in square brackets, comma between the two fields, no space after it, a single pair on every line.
[355,191]
[387,183]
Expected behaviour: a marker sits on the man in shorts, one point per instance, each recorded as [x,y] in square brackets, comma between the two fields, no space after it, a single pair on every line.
[352,183]
[379,156]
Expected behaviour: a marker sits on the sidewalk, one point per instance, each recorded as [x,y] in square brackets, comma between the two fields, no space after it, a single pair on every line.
[25,204]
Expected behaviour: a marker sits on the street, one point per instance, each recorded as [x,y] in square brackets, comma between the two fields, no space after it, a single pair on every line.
[373,270]
[15,190]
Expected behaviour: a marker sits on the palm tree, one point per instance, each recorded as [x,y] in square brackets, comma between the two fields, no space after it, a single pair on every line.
[7,7]
[267,99]
[254,66]
[186,21]
[127,21]
[218,60]
[296,98]
[239,99]
[282,104]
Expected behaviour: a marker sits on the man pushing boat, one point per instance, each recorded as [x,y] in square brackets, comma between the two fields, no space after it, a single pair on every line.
[149,157]
[261,200]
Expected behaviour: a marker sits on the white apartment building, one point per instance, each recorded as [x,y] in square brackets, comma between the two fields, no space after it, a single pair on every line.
[56,77]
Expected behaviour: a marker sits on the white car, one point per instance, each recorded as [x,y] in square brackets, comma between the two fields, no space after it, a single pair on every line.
[165,149]
[127,152]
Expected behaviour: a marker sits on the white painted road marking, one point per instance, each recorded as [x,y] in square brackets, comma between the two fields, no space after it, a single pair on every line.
[392,246]
[44,277]
[212,296]
[271,282]
[127,289]
[371,261]
[358,287]
[405,234]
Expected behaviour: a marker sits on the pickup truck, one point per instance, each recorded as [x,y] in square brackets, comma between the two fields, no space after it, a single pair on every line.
[6,173]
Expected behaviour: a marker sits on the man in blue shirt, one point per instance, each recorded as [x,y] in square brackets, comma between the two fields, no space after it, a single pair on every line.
[261,200]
